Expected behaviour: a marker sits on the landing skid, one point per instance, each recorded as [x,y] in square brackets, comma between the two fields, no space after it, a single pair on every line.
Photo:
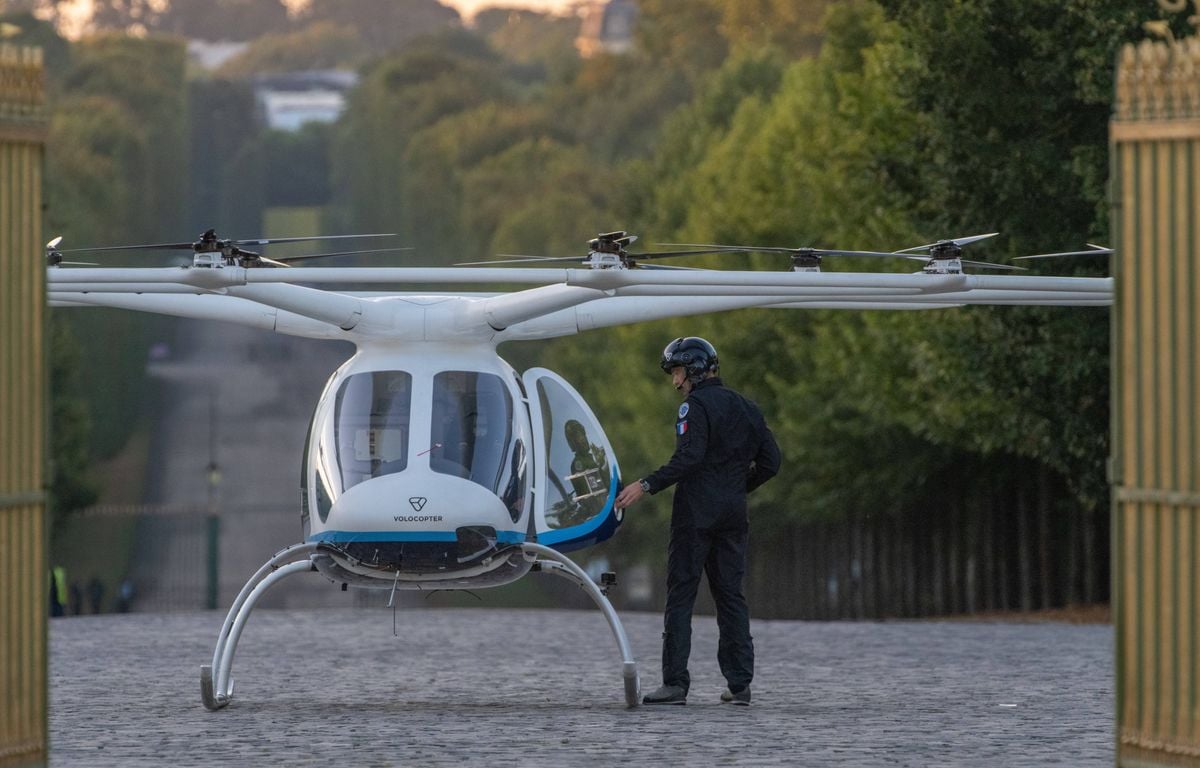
[216,681]
[555,562]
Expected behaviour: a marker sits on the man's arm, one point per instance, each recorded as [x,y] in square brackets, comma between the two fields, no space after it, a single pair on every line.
[766,463]
[691,442]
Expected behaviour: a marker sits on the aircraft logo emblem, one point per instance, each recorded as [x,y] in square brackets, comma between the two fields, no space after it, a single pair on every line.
[417,502]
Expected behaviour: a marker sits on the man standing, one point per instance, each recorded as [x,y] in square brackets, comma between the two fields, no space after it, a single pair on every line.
[723,450]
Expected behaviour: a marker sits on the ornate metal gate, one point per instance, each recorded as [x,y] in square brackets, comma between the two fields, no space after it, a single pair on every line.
[23,574]
[1155,152]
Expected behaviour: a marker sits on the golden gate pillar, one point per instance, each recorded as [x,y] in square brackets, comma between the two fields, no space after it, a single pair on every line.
[24,575]
[1155,151]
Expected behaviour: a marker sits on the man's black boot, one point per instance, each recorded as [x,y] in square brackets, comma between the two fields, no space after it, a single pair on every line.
[741,698]
[666,694]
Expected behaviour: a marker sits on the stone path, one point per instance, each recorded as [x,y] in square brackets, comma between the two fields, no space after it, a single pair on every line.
[543,688]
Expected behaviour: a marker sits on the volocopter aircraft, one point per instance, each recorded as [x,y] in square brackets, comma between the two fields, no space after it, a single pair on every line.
[430,463]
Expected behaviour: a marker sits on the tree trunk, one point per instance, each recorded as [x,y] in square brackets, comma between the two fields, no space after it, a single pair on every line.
[1002,551]
[988,555]
[1025,546]
[1091,558]
[1045,538]
[1069,581]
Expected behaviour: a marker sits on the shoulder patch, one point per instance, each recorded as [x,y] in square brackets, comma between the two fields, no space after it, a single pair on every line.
[683,411]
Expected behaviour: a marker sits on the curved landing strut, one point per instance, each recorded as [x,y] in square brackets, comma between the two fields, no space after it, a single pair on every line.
[216,682]
[552,561]
[216,692]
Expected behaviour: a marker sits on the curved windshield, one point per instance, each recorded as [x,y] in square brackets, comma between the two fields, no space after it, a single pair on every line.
[578,469]
[472,434]
[369,429]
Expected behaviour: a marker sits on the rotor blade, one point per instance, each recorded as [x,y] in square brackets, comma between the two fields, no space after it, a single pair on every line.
[151,247]
[824,252]
[672,254]
[518,259]
[76,264]
[960,241]
[270,240]
[50,246]
[720,248]
[515,258]
[342,253]
[993,265]
[1096,250]
[273,263]
[792,251]
[668,266]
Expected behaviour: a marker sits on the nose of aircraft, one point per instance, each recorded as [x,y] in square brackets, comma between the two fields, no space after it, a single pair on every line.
[418,505]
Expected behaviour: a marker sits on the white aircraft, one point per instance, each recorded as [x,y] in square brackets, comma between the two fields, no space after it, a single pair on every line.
[431,463]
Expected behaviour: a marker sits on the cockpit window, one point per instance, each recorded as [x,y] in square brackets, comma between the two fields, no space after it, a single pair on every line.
[577,467]
[371,425]
[472,435]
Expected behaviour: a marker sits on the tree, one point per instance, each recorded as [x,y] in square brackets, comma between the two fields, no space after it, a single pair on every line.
[384,25]
[397,98]
[321,45]
[236,20]
[116,169]
[71,485]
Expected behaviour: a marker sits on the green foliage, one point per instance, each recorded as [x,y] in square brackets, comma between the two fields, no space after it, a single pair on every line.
[384,25]
[71,485]
[321,45]
[544,44]
[683,37]
[793,25]
[397,98]
[297,166]
[224,191]
[116,169]
[237,20]
[885,141]
[114,67]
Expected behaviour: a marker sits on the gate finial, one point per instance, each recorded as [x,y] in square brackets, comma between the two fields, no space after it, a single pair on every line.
[1176,6]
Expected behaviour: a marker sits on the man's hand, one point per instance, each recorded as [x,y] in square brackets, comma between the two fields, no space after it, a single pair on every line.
[629,495]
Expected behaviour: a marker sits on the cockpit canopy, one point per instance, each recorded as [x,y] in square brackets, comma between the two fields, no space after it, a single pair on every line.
[445,430]
[367,433]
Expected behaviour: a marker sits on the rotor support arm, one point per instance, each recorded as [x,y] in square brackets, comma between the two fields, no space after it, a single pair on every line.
[500,312]
[337,309]
[204,307]
[1102,285]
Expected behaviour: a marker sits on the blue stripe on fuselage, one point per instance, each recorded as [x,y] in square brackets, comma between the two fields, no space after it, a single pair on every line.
[405,537]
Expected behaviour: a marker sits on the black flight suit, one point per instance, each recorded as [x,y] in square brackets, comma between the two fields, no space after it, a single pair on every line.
[723,450]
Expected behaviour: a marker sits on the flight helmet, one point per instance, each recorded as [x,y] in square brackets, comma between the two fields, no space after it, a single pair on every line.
[696,355]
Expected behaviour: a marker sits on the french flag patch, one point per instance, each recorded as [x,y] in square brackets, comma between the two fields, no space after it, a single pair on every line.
[681,427]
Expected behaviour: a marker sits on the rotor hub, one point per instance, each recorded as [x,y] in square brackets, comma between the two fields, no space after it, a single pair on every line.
[607,251]
[806,260]
[945,258]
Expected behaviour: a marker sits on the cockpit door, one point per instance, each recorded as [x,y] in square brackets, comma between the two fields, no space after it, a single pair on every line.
[576,477]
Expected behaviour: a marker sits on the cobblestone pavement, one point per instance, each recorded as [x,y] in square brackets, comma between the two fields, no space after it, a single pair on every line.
[543,688]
